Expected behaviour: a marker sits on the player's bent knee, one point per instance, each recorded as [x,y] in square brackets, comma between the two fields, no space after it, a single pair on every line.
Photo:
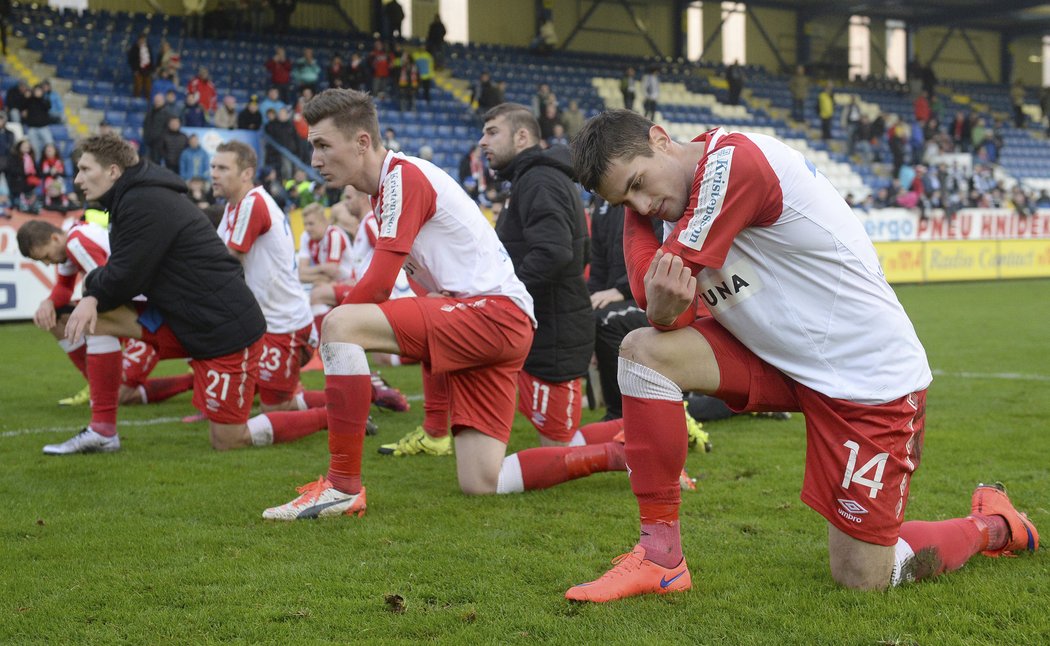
[229,436]
[858,565]
[643,346]
[129,396]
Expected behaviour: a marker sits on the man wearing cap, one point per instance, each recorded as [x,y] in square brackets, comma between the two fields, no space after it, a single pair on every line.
[250,118]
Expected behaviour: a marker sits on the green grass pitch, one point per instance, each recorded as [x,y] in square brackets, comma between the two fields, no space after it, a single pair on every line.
[162,543]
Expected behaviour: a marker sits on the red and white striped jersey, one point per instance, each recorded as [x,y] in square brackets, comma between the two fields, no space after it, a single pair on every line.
[87,247]
[333,247]
[258,228]
[785,266]
[451,248]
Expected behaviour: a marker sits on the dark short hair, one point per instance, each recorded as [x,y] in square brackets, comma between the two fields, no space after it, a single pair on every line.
[33,234]
[518,116]
[616,134]
[108,149]
[246,157]
[350,110]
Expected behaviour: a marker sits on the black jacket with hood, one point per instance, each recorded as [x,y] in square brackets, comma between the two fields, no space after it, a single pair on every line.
[544,228]
[163,246]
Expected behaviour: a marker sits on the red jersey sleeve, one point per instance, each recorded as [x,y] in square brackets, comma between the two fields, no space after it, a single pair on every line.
[249,221]
[62,292]
[639,246]
[407,200]
[375,286]
[82,254]
[734,188]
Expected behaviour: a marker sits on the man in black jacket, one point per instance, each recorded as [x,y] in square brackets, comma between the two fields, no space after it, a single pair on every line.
[615,311]
[544,228]
[199,306]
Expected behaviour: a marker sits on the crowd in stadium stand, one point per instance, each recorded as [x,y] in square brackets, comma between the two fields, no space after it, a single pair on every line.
[905,148]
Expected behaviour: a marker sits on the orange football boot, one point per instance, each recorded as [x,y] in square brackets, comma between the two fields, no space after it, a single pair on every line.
[991,500]
[632,575]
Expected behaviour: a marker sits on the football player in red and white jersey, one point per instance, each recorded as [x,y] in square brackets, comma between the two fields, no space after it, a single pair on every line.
[802,319]
[474,324]
[256,231]
[324,249]
[75,252]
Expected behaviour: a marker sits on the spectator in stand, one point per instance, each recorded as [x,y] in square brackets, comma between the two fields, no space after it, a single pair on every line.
[1044,106]
[22,176]
[407,82]
[424,63]
[271,102]
[379,62]
[7,146]
[799,88]
[436,40]
[15,100]
[172,101]
[572,117]
[249,118]
[36,120]
[426,152]
[1017,101]
[154,125]
[194,160]
[735,79]
[546,40]
[141,61]
[202,86]
[485,93]
[282,14]
[861,140]
[558,137]
[543,97]
[390,141]
[921,106]
[359,74]
[57,198]
[199,192]
[302,128]
[226,114]
[306,72]
[336,72]
[282,131]
[57,113]
[826,104]
[548,119]
[850,122]
[978,133]
[172,144]
[5,17]
[169,65]
[651,92]
[628,88]
[193,115]
[959,129]
[267,178]
[280,69]
[51,166]
[472,173]
[392,17]
[898,144]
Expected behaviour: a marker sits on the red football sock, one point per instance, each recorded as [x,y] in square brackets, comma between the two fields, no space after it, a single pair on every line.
[601,432]
[656,446]
[290,425]
[161,388]
[314,398]
[942,546]
[551,465]
[349,397]
[104,378]
[79,358]
[435,403]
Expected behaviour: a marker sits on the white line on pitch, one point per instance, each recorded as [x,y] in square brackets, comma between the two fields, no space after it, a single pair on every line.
[133,422]
[1014,376]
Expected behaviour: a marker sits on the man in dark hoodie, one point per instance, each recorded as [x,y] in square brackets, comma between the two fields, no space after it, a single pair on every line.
[163,246]
[544,228]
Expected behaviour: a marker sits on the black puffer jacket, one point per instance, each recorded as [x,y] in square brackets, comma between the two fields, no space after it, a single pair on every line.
[544,229]
[163,246]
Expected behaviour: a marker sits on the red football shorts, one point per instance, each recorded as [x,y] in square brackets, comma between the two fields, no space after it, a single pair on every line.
[480,342]
[859,457]
[223,387]
[137,362]
[552,407]
[282,356]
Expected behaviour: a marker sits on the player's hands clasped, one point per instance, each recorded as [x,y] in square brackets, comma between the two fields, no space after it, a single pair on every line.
[669,288]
